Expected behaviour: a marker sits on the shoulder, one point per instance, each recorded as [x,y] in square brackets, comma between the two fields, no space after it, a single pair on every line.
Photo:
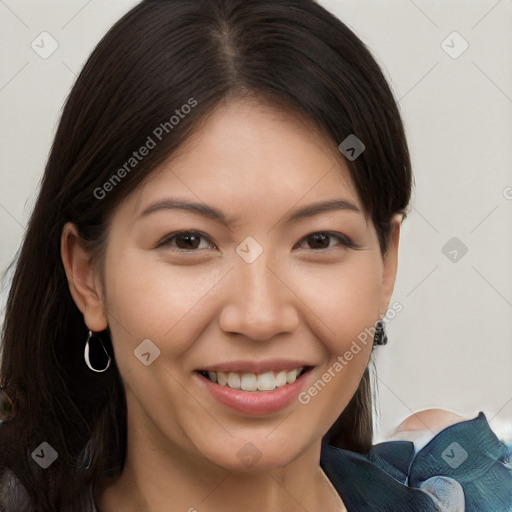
[421,427]
[462,463]
[434,420]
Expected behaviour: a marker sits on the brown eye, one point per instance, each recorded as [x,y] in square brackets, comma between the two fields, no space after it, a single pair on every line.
[319,241]
[322,240]
[186,241]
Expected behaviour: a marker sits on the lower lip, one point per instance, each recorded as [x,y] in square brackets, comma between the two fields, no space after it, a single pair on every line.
[255,402]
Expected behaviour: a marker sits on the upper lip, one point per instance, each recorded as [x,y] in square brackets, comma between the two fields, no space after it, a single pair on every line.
[256,366]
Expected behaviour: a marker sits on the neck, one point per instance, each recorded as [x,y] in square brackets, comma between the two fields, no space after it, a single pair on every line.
[155,477]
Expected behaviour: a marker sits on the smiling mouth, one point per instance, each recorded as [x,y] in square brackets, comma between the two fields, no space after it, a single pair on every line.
[247,381]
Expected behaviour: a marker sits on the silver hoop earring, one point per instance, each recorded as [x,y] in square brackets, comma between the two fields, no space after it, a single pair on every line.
[90,336]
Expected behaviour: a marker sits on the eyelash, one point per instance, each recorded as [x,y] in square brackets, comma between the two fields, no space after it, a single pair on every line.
[345,241]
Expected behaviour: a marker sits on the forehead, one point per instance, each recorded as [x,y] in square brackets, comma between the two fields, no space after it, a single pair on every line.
[250,153]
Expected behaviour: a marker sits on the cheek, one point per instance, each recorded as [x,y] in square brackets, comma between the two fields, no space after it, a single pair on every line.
[348,309]
[343,300]
[152,299]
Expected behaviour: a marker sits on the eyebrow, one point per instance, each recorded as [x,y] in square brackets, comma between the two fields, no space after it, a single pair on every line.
[216,215]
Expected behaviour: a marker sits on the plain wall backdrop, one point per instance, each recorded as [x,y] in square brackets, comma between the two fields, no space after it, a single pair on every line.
[450,66]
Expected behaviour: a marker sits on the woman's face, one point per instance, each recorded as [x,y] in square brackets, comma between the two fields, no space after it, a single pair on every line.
[254,283]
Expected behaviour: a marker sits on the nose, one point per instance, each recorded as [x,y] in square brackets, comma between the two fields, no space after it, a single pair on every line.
[260,303]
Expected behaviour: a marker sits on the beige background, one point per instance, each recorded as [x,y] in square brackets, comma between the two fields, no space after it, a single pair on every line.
[451,345]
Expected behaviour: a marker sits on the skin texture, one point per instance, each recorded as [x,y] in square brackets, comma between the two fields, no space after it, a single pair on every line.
[297,300]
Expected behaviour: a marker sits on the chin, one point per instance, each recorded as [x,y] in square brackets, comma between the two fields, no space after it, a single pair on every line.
[245,456]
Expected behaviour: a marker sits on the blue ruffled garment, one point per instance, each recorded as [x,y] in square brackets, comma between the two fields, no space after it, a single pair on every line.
[463,468]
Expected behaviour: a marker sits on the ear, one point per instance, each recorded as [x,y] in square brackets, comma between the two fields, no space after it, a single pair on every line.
[390,260]
[84,285]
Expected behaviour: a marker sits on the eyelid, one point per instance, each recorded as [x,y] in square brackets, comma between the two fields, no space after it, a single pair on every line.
[343,239]
[168,238]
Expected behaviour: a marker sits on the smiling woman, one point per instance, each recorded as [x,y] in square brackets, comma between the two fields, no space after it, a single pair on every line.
[196,336]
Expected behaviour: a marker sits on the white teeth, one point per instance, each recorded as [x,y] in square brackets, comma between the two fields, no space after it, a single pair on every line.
[281,379]
[291,376]
[234,380]
[266,381]
[249,382]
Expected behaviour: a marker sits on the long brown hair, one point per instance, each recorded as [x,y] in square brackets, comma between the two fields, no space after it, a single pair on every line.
[293,54]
